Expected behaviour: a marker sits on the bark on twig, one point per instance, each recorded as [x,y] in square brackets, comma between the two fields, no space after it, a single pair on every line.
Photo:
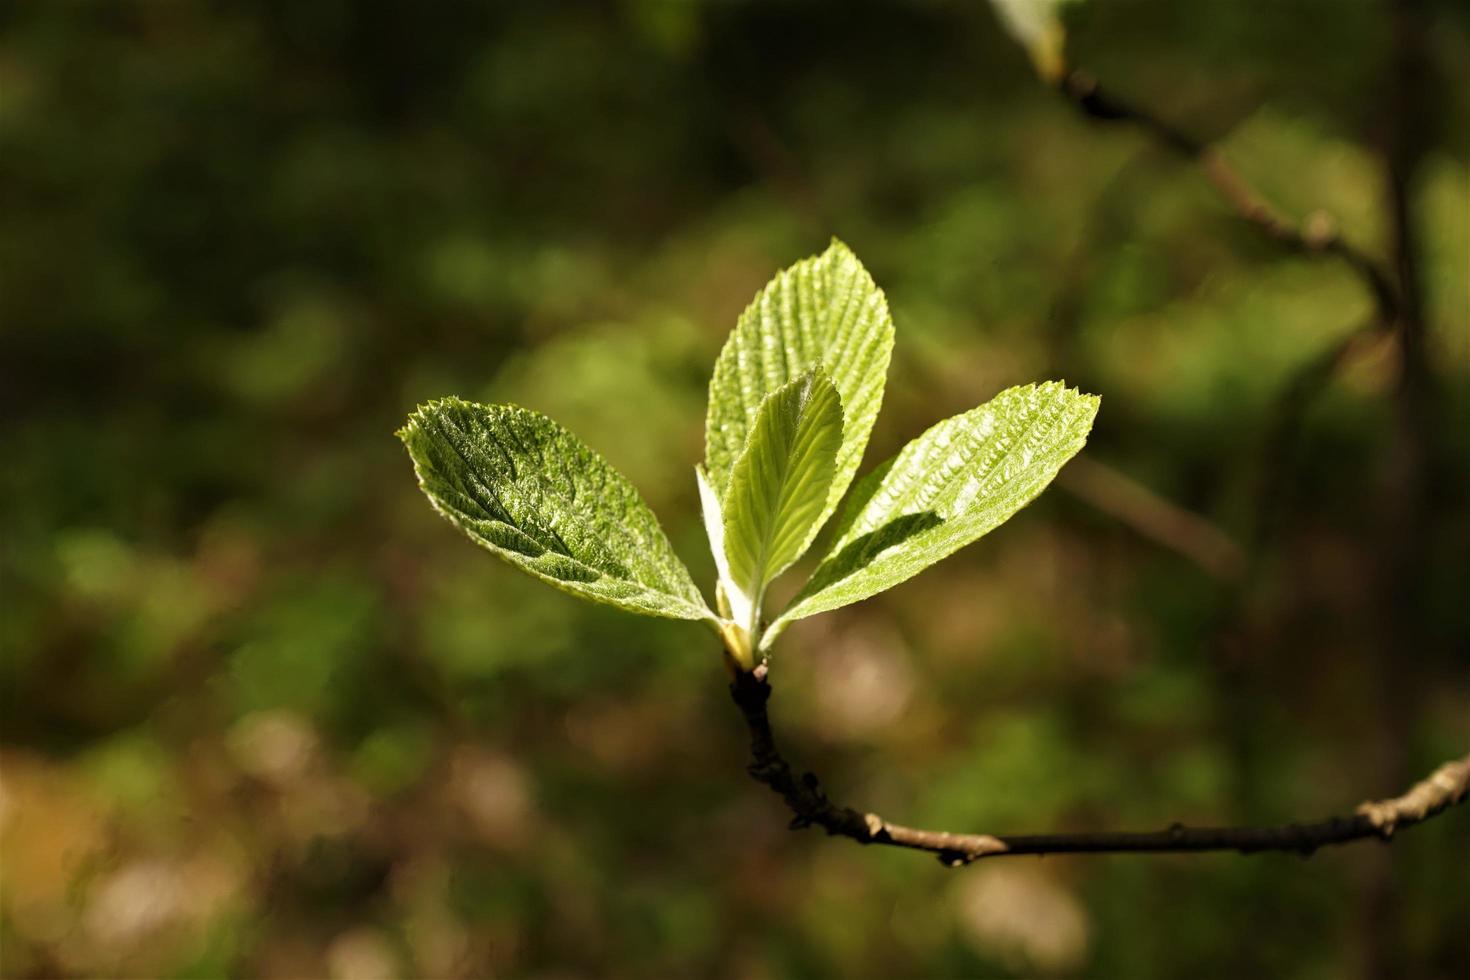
[809,805]
[1154,517]
[1318,235]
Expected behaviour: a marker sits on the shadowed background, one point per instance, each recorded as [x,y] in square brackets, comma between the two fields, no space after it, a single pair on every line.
[265,714]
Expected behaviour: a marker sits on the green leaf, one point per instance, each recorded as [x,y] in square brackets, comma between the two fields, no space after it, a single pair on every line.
[779,486]
[824,312]
[534,494]
[954,483]
[714,523]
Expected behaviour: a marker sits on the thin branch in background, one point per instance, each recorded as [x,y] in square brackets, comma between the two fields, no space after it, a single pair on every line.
[1153,517]
[1319,235]
[1133,504]
[1392,291]
[803,794]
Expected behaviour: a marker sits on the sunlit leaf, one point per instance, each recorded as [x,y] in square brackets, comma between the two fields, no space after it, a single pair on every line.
[733,603]
[824,312]
[779,486]
[534,494]
[954,483]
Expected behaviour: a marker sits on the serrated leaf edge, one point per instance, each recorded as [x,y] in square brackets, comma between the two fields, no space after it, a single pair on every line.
[700,612]
[848,517]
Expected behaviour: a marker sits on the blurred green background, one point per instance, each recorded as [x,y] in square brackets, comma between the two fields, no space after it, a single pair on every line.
[264,714]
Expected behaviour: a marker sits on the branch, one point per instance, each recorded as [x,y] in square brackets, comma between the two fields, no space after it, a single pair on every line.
[1186,533]
[1317,236]
[1153,517]
[1445,787]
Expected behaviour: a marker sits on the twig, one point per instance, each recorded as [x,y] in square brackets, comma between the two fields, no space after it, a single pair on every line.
[1155,518]
[1150,515]
[1380,819]
[1317,236]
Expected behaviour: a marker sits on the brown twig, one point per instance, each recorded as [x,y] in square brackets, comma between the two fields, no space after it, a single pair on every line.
[1189,534]
[803,794]
[1318,235]
[1153,517]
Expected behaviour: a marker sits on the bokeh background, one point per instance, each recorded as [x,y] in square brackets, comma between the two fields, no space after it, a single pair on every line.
[264,714]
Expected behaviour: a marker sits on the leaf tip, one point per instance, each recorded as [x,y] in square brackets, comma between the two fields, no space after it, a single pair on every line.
[413,425]
[1090,402]
[1082,398]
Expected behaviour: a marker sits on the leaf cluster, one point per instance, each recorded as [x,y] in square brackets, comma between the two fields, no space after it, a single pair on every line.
[794,396]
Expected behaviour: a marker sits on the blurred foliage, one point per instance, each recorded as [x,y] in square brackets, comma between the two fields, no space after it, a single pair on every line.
[265,714]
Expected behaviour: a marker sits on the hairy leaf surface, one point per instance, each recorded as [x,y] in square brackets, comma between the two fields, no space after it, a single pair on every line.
[779,486]
[954,483]
[824,312]
[527,489]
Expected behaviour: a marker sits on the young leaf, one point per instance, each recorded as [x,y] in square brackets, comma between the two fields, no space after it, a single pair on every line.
[534,494]
[733,603]
[825,312]
[778,488]
[954,483]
